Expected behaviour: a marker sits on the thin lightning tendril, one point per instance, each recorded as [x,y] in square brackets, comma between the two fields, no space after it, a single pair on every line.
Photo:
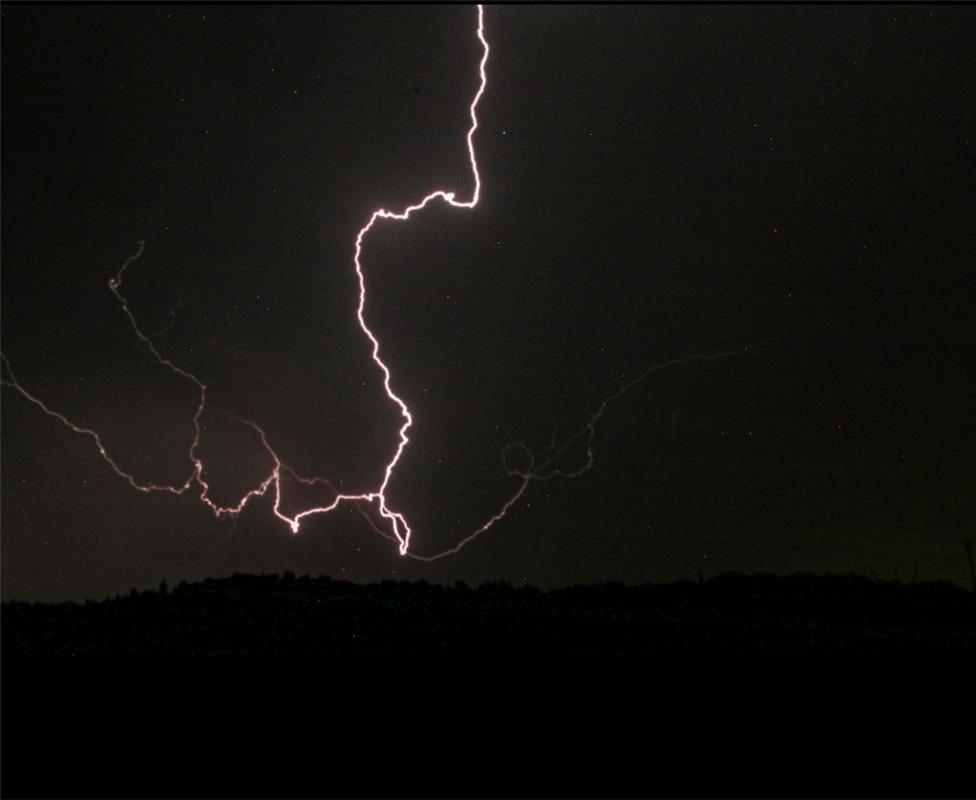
[539,467]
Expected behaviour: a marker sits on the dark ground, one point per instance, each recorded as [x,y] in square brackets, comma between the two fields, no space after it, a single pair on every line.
[288,615]
[493,721]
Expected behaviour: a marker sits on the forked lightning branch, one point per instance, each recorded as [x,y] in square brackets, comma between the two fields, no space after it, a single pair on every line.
[384,520]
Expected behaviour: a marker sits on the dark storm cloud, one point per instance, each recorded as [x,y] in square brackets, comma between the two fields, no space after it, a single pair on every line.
[656,181]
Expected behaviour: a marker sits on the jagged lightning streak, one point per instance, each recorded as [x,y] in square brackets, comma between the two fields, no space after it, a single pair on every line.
[400,527]
[547,468]
[542,467]
[398,523]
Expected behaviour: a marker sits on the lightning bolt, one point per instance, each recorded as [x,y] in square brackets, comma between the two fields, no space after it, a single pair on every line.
[398,524]
[392,524]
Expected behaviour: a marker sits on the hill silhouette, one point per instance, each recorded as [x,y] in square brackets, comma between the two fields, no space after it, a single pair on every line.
[288,615]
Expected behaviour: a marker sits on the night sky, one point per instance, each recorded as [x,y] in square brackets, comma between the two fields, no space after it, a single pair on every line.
[657,182]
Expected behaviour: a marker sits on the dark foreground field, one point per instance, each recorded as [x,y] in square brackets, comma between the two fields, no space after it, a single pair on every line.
[272,615]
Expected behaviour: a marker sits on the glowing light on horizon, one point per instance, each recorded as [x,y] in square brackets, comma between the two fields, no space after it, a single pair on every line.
[536,467]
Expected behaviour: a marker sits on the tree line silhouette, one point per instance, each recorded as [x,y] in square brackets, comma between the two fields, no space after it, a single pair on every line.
[289,615]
